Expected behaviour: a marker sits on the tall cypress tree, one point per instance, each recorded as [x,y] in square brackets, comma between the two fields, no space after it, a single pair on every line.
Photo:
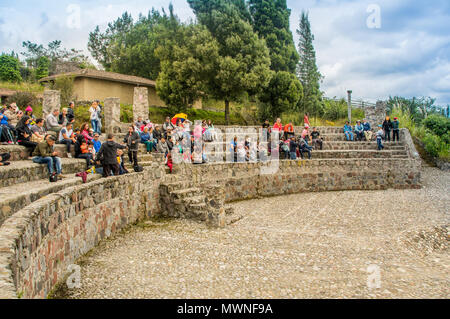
[307,70]
[243,64]
[271,22]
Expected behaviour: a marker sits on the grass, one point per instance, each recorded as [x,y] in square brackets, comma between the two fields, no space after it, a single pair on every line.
[24,86]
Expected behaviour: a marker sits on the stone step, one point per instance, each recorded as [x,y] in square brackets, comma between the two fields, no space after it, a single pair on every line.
[199,199]
[27,171]
[170,187]
[187,192]
[15,197]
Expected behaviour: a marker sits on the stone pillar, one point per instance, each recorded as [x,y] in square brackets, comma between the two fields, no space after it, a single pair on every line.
[112,115]
[51,101]
[349,106]
[375,115]
[140,103]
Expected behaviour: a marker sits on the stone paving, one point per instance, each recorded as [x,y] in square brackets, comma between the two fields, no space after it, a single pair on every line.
[310,245]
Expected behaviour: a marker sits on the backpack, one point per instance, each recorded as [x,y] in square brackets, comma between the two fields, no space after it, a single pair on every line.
[138,168]
[53,178]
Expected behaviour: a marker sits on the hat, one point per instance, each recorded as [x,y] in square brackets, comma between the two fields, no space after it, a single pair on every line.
[395,118]
[29,109]
[380,125]
[306,126]
[358,121]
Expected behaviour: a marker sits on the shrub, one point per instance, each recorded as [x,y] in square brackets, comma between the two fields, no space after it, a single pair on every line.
[23,99]
[437,124]
[65,85]
[10,69]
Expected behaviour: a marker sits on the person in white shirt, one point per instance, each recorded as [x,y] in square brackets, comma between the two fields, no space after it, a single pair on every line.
[95,111]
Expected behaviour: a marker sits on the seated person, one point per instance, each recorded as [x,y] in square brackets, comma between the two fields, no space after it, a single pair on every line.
[162,147]
[82,151]
[367,130]
[45,154]
[7,131]
[304,147]
[316,139]
[359,130]
[348,131]
[148,140]
[284,147]
[97,143]
[293,149]
[24,134]
[67,137]
[122,169]
[38,131]
[52,122]
[4,159]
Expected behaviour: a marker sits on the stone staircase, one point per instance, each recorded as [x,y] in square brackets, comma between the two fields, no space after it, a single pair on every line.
[181,199]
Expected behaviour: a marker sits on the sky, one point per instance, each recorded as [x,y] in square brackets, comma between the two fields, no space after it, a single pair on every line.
[376,48]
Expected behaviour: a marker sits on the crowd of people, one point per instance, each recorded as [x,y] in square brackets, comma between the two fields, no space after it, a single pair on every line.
[175,136]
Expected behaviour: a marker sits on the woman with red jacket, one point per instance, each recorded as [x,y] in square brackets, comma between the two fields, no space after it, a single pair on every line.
[85,132]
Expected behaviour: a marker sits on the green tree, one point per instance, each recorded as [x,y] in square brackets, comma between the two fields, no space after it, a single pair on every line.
[10,68]
[307,70]
[243,64]
[282,94]
[185,64]
[43,65]
[129,48]
[271,22]
[55,54]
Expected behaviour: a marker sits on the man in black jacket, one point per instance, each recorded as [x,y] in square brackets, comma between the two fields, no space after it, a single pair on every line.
[108,156]
[132,140]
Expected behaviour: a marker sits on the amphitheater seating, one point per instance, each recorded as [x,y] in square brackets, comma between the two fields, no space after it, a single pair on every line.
[24,182]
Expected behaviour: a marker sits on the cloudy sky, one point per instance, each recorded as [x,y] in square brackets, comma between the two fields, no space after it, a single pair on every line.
[376,48]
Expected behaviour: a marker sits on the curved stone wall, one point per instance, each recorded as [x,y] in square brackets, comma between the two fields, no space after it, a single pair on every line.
[38,243]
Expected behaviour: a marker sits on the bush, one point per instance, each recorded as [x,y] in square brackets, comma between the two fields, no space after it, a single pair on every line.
[23,99]
[65,85]
[436,146]
[10,69]
[437,124]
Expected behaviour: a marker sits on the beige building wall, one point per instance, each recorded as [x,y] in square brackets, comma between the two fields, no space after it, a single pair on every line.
[88,89]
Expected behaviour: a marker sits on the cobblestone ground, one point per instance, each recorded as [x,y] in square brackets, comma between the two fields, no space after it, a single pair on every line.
[312,245]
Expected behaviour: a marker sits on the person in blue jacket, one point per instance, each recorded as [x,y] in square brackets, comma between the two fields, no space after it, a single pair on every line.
[348,131]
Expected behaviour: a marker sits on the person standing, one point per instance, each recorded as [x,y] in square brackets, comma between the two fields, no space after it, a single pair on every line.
[387,127]
[380,134]
[132,140]
[71,112]
[108,156]
[306,120]
[396,130]
[95,117]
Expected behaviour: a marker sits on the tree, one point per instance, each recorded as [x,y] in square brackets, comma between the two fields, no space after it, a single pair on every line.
[43,65]
[282,94]
[307,70]
[185,64]
[243,64]
[55,54]
[129,48]
[10,68]
[271,22]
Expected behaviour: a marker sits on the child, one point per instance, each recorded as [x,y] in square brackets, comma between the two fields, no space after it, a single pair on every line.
[169,162]
[122,169]
[380,134]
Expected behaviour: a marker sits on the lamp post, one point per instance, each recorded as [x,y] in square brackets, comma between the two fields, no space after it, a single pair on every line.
[349,93]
